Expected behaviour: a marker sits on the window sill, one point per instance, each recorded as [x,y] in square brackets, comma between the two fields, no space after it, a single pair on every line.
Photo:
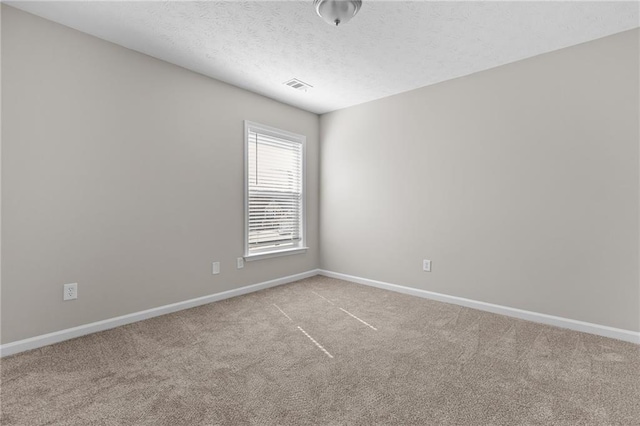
[275,253]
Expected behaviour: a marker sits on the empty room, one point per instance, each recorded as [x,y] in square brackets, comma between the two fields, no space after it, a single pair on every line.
[320,212]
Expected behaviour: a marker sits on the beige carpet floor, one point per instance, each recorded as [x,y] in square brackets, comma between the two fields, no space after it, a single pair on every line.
[326,352]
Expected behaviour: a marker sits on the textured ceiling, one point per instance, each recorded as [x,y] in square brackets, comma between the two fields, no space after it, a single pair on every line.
[388,48]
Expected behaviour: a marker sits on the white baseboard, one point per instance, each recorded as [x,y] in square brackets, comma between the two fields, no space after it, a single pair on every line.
[70,333]
[94,327]
[585,327]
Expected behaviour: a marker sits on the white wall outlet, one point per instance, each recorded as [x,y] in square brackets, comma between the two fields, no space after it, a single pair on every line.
[215,268]
[426,265]
[70,291]
[240,262]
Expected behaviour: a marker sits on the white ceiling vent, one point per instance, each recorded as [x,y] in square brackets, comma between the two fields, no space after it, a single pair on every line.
[298,85]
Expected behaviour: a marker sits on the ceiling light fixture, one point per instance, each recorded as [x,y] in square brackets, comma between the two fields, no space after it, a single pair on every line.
[336,12]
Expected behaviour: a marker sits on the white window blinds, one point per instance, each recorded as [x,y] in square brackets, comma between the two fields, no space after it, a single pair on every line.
[274,190]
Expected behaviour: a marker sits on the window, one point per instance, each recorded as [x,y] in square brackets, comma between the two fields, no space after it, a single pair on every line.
[274,192]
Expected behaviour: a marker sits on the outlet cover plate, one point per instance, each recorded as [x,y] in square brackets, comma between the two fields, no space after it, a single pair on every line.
[70,291]
[215,268]
[426,265]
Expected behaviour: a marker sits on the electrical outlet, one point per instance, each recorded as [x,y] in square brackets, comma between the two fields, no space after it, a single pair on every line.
[240,262]
[426,265]
[70,291]
[215,268]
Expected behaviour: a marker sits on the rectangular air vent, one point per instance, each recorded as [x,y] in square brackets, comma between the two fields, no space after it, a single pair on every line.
[298,84]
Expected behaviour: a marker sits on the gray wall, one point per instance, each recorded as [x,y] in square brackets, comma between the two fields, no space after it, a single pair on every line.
[519,183]
[123,173]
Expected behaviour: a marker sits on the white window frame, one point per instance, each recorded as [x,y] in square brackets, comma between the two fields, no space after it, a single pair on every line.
[293,137]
